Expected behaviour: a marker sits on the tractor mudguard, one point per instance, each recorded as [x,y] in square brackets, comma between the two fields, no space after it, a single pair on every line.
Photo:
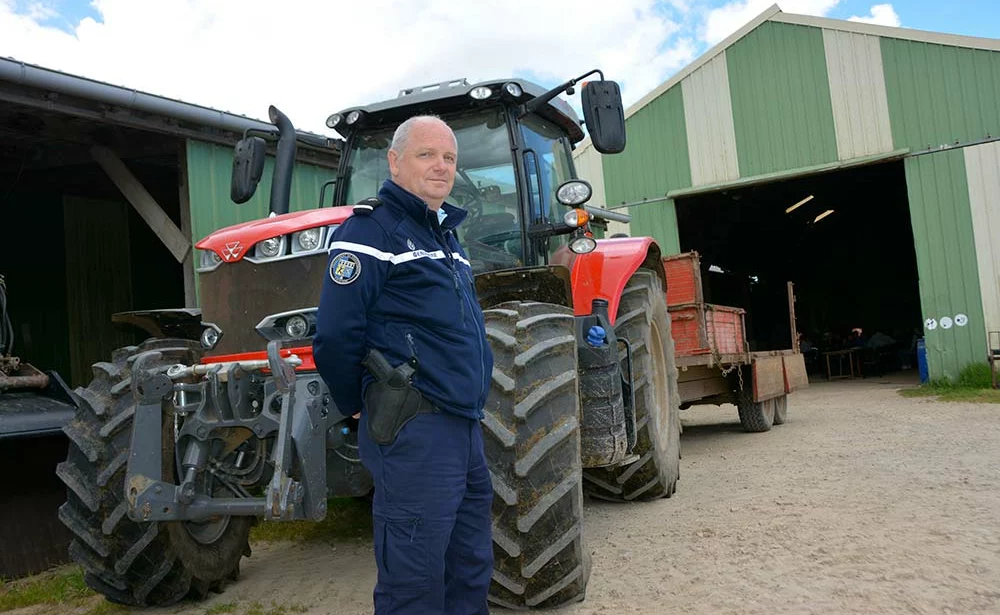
[547,284]
[603,273]
[183,323]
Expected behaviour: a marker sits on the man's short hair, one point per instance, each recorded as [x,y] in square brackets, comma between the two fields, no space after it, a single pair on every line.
[402,134]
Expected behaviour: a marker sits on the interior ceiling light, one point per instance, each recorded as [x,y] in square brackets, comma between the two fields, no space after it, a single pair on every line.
[799,204]
[823,215]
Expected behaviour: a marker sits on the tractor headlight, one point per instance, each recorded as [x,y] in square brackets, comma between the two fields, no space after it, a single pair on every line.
[481,92]
[353,117]
[307,240]
[288,326]
[574,193]
[209,260]
[513,89]
[269,248]
[296,327]
[334,120]
[210,337]
[583,245]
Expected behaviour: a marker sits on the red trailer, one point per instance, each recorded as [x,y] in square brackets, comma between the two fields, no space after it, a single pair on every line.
[714,361]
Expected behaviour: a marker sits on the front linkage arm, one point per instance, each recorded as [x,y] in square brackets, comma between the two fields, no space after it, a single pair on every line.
[222,410]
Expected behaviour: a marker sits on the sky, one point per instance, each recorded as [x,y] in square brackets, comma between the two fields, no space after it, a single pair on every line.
[312,58]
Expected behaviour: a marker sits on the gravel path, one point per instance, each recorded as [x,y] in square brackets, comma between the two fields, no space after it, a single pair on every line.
[864,502]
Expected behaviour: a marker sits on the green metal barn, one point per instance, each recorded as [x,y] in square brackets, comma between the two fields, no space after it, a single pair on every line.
[860,162]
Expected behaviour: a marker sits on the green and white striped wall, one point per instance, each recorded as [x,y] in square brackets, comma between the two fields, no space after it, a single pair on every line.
[790,94]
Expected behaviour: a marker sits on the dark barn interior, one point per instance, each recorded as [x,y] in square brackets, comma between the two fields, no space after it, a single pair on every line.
[843,238]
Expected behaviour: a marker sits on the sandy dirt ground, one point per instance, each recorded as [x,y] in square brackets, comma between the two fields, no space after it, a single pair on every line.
[864,502]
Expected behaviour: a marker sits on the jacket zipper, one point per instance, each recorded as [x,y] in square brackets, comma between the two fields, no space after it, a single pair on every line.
[442,240]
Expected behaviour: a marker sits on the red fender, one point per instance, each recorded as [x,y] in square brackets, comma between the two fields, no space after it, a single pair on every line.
[603,273]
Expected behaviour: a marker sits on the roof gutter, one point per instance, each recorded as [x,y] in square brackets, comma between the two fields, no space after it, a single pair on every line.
[81,87]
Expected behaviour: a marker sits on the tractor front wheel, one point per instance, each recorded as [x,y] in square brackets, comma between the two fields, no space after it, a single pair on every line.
[137,563]
[532,439]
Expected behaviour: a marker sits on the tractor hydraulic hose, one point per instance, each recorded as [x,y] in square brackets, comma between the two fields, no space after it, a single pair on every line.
[281,182]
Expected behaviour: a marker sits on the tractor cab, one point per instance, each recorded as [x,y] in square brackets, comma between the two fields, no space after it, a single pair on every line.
[515,143]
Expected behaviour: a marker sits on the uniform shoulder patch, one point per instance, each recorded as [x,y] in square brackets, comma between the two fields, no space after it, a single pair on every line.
[345,268]
[367,206]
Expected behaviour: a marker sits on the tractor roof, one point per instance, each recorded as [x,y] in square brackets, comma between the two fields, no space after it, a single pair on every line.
[447,96]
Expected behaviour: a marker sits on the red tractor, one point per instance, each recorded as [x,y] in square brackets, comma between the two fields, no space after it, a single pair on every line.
[180,445]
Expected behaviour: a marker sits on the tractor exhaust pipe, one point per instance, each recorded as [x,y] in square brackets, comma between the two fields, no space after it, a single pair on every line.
[281,182]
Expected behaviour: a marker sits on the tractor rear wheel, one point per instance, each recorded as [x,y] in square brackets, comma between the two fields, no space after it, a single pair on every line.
[532,439]
[644,321]
[136,563]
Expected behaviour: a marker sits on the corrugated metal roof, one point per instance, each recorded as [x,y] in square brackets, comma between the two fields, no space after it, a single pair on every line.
[940,95]
[982,170]
[946,261]
[857,93]
[781,99]
[708,115]
[775,14]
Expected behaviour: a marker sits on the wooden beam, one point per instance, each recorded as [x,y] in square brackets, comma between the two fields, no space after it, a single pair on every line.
[184,200]
[143,202]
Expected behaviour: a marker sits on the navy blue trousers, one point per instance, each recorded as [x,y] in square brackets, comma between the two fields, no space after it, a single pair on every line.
[431,513]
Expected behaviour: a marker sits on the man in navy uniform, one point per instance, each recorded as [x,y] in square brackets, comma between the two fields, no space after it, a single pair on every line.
[399,284]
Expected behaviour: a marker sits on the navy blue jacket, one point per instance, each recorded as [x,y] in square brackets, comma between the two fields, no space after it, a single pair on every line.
[398,281]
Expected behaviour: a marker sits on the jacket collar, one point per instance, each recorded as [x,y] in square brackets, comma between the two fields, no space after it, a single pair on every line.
[415,207]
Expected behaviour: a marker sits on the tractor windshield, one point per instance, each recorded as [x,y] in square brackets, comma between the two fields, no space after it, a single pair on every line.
[485,184]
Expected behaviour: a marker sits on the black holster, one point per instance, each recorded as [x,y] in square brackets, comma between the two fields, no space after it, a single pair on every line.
[391,400]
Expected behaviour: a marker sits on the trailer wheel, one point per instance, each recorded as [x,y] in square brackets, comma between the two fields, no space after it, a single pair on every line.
[755,416]
[133,563]
[644,321]
[780,409]
[532,439]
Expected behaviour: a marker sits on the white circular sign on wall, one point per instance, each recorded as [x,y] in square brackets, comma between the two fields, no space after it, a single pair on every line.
[930,324]
[961,320]
[946,323]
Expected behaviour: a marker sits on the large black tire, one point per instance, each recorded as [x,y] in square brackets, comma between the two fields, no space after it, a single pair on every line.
[755,416]
[644,321]
[780,410]
[532,438]
[137,564]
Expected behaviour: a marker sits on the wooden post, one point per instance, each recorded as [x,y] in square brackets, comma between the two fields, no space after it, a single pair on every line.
[184,201]
[143,202]
[791,317]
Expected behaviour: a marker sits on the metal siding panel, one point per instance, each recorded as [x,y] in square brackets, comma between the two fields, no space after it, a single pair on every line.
[782,114]
[940,95]
[857,94]
[590,167]
[654,162]
[659,221]
[946,259]
[708,115]
[982,168]
[209,173]
[655,159]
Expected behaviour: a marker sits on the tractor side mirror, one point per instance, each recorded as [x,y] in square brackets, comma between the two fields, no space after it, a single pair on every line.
[248,167]
[604,115]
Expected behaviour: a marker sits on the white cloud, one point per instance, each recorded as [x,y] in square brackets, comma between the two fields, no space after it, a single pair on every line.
[312,59]
[881,14]
[729,18]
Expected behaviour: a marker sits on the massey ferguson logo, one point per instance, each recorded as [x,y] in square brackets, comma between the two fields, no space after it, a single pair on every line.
[232,250]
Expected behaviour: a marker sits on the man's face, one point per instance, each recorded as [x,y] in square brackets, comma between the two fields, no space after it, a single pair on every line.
[426,166]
